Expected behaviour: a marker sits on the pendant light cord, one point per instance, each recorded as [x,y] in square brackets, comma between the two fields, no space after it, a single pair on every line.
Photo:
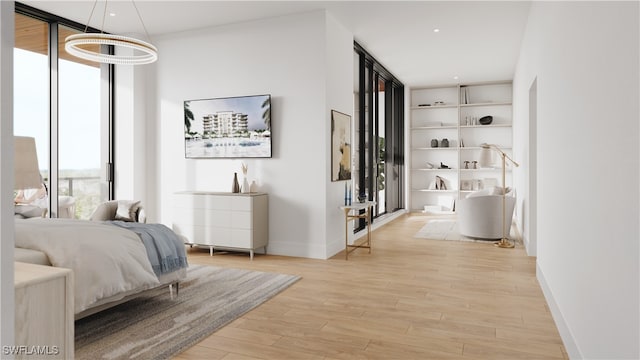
[104,16]
[91,15]
[142,22]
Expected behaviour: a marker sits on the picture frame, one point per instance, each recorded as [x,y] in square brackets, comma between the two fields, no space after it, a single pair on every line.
[228,127]
[340,146]
[466,185]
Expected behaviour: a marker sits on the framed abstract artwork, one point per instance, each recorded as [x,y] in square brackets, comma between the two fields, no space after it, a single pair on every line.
[340,146]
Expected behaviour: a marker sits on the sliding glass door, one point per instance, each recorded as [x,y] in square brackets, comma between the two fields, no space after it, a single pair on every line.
[60,100]
[379,131]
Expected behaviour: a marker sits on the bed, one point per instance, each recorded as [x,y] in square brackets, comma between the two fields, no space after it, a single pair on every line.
[111,261]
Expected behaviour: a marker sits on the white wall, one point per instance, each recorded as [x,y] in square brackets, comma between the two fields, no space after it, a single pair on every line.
[339,96]
[130,152]
[6,173]
[586,60]
[305,62]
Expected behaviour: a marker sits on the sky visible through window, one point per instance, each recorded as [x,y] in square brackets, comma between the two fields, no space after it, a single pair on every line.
[79,109]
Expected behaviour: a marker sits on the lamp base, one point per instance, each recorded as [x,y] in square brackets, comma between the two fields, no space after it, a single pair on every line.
[504,243]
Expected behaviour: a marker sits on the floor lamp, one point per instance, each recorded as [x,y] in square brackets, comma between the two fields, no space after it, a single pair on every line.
[486,161]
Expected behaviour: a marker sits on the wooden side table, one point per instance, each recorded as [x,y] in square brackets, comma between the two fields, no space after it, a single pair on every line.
[44,326]
[348,215]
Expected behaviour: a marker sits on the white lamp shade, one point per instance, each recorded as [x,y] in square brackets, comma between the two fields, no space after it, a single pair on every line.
[486,157]
[26,170]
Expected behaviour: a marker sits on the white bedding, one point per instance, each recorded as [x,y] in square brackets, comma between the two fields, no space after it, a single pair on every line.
[106,260]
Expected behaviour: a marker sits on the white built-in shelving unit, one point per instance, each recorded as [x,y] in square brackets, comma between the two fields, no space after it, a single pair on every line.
[448,112]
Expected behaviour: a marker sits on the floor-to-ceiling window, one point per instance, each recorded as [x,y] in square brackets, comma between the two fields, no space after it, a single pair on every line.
[59,100]
[379,132]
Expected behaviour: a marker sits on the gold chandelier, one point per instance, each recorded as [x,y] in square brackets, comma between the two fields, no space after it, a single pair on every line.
[73,44]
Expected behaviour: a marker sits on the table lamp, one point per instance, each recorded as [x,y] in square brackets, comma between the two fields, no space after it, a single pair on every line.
[26,170]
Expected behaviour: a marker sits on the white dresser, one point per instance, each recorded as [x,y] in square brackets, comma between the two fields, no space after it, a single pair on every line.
[44,324]
[222,220]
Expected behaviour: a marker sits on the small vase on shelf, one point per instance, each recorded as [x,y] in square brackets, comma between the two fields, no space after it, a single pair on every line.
[236,186]
[245,185]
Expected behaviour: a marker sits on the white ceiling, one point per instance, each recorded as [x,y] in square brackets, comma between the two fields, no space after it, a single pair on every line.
[478,40]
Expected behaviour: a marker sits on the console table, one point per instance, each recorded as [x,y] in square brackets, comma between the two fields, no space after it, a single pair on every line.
[348,215]
[233,221]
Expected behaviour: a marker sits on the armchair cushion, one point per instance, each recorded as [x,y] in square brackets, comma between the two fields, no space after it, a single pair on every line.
[127,210]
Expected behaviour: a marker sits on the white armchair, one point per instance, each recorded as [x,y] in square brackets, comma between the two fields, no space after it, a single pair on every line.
[479,214]
[126,210]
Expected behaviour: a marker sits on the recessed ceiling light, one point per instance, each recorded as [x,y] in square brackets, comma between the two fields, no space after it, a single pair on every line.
[455,77]
[436,30]
[112,14]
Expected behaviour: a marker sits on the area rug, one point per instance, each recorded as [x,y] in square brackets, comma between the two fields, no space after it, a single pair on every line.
[444,229]
[158,327]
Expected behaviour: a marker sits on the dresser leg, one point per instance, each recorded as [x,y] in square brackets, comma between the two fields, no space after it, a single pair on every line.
[210,250]
[251,254]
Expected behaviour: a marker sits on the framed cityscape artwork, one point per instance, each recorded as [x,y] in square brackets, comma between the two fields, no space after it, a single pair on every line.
[231,127]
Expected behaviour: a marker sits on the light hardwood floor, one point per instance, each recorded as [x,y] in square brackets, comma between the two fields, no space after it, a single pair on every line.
[409,299]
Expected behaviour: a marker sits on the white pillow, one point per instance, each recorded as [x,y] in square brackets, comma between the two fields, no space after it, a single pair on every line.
[127,210]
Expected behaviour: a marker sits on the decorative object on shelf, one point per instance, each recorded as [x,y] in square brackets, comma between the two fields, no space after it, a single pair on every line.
[486,148]
[424,105]
[362,198]
[443,166]
[444,143]
[486,120]
[440,184]
[340,146]
[466,164]
[476,184]
[434,143]
[245,183]
[475,164]
[464,95]
[466,185]
[347,193]
[461,143]
[143,52]
[235,188]
[429,165]
[438,103]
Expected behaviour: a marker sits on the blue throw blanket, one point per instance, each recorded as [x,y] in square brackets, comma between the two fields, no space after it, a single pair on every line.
[164,248]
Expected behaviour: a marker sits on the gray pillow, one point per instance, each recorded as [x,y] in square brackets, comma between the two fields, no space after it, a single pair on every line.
[29,211]
[127,210]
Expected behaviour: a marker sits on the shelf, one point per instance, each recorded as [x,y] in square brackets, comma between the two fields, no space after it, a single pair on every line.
[436,191]
[484,126]
[434,107]
[486,104]
[480,148]
[484,169]
[436,148]
[486,98]
[434,127]
[435,169]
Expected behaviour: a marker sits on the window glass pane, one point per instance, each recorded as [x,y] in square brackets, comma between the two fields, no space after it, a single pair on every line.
[380,174]
[31,94]
[79,134]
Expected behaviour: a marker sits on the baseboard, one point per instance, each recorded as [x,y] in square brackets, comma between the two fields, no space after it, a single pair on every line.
[567,338]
